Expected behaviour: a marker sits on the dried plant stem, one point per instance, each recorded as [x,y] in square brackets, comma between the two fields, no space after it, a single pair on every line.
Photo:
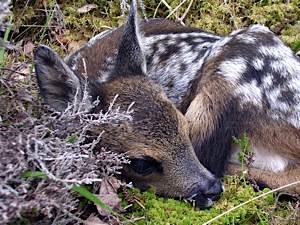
[177,7]
[253,199]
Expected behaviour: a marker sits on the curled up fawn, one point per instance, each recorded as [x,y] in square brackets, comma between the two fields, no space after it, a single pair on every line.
[193,92]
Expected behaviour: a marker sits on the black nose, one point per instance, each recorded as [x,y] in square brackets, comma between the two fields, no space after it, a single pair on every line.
[214,191]
[203,196]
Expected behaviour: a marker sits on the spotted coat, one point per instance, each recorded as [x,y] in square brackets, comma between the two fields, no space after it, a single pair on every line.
[246,82]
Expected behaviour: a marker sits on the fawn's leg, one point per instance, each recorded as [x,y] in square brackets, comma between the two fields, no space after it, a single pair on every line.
[276,152]
[211,115]
[268,178]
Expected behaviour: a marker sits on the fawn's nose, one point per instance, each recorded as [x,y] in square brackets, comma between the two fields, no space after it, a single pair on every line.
[214,191]
[204,195]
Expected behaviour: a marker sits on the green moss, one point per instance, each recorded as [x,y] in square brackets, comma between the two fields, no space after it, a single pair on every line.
[217,16]
[169,211]
[291,35]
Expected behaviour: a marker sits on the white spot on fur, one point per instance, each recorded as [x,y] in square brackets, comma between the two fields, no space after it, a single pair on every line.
[248,39]
[273,95]
[259,28]
[218,46]
[295,118]
[104,77]
[250,92]
[276,51]
[267,81]
[267,160]
[263,159]
[258,63]
[182,44]
[286,66]
[233,69]
[98,37]
[235,32]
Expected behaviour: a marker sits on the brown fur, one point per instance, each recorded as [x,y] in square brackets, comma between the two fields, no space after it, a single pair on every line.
[209,97]
[206,101]
[279,137]
[206,106]
[159,131]
[108,45]
[156,139]
[269,179]
[276,138]
[130,137]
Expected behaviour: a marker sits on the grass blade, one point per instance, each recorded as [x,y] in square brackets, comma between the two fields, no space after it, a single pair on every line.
[83,191]
[2,48]
[33,174]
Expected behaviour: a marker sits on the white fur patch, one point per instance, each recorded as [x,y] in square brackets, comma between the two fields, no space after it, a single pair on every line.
[266,160]
[259,28]
[278,51]
[233,69]
[263,159]
[235,32]
[218,46]
[250,92]
[248,39]
[267,81]
[170,71]
[295,118]
[258,63]
[286,66]
[98,37]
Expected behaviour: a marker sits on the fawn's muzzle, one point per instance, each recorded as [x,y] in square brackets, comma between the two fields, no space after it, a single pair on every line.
[203,196]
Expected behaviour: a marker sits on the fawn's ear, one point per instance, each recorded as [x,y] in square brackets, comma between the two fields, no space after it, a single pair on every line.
[130,59]
[57,82]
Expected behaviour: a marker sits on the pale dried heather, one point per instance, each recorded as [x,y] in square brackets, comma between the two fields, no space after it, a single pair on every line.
[4,9]
[54,144]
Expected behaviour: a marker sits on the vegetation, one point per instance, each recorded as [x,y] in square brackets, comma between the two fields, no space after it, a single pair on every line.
[27,192]
[266,210]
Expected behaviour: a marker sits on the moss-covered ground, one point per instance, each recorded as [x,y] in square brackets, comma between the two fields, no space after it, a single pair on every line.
[31,24]
[266,210]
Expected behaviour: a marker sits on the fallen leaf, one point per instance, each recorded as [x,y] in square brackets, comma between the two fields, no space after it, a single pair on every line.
[87,8]
[108,194]
[24,71]
[93,220]
[28,49]
[75,45]
[25,96]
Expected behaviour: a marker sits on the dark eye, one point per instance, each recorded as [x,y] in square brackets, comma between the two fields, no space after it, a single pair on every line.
[145,166]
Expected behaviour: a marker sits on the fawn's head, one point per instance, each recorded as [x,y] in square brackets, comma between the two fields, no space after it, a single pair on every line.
[156,140]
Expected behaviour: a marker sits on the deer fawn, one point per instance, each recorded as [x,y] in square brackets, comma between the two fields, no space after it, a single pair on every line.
[157,139]
[247,82]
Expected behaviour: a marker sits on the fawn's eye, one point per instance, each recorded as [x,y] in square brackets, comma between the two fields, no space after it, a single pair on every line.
[145,166]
